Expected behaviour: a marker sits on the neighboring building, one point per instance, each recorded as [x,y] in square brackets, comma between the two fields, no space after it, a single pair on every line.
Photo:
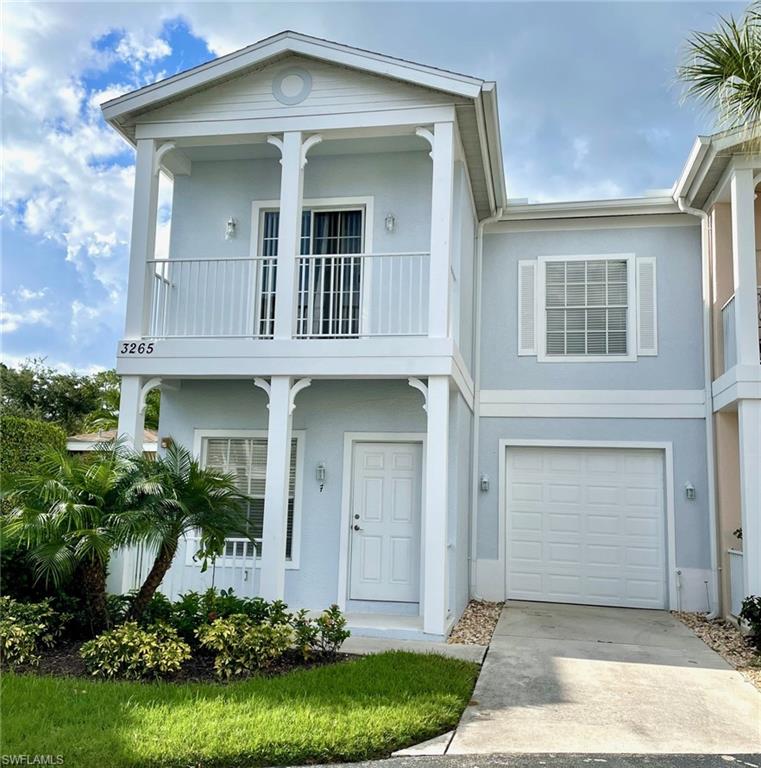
[89,441]
[429,393]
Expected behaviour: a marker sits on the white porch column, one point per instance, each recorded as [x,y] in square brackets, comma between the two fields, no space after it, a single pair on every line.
[749,422]
[272,579]
[435,512]
[131,414]
[289,232]
[442,193]
[143,239]
[744,267]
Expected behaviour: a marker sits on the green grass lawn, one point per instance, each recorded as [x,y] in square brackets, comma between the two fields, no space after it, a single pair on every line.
[364,708]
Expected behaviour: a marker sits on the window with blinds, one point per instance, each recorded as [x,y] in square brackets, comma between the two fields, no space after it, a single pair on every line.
[246,459]
[586,305]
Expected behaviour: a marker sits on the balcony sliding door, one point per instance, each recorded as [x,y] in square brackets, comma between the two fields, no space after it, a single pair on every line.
[329,274]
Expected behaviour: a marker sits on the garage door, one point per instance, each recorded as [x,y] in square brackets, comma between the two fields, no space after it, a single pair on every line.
[586,525]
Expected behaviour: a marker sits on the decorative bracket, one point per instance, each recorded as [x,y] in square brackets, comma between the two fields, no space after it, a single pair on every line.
[417,384]
[145,389]
[424,133]
[295,389]
[167,146]
[276,142]
[265,385]
[307,145]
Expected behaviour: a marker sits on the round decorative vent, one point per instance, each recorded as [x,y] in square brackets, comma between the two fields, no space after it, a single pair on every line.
[292,85]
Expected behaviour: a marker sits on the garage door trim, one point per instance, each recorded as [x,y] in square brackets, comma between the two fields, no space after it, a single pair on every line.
[668,462]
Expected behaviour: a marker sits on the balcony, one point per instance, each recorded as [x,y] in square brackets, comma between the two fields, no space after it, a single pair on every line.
[344,296]
[729,329]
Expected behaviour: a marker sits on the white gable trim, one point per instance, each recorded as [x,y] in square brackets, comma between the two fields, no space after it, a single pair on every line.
[292,42]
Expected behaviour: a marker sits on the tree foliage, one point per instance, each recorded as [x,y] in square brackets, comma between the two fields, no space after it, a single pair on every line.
[76,402]
[722,68]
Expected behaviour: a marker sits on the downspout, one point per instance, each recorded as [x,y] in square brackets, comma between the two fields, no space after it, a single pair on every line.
[714,610]
[473,527]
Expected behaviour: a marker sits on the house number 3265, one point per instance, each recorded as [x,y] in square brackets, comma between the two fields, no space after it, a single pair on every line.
[136,348]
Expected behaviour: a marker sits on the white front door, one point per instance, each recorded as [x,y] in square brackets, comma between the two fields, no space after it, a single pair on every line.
[586,525]
[385,522]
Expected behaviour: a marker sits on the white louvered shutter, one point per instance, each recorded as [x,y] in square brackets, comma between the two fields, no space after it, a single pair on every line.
[527,307]
[647,307]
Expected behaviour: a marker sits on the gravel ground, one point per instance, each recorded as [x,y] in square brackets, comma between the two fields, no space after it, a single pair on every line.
[727,640]
[476,625]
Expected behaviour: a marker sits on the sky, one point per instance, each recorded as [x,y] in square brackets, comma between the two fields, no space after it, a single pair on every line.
[589,107]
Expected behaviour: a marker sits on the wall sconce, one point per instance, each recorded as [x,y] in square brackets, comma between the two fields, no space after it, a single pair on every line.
[230,228]
[689,491]
[166,442]
[390,222]
[320,474]
[484,483]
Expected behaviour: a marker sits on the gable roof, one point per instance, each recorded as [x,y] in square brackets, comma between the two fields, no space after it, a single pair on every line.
[277,45]
[709,158]
[475,98]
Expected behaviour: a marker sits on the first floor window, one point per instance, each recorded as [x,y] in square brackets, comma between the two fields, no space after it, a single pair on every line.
[587,307]
[246,459]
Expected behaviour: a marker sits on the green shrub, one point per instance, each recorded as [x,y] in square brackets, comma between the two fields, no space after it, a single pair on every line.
[243,645]
[133,653]
[324,634]
[26,629]
[751,613]
[158,611]
[194,610]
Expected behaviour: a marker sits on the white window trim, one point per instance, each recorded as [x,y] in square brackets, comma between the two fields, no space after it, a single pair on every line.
[316,204]
[631,310]
[199,435]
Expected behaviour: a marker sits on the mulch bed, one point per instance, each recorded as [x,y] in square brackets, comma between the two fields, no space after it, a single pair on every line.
[64,661]
[477,623]
[728,641]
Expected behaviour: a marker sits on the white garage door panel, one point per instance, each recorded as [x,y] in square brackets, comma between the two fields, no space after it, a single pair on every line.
[586,525]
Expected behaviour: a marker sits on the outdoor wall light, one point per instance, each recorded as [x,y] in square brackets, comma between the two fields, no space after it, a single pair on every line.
[689,491]
[484,483]
[230,228]
[390,222]
[320,474]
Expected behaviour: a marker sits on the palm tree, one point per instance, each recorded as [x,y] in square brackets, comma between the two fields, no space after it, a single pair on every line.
[70,515]
[182,497]
[723,68]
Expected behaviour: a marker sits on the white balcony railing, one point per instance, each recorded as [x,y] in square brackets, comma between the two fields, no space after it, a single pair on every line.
[729,330]
[212,297]
[730,334]
[736,581]
[384,294]
[337,296]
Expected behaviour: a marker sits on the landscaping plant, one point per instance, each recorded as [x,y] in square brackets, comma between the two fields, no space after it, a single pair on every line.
[183,497]
[132,652]
[242,645]
[26,629]
[751,613]
[71,513]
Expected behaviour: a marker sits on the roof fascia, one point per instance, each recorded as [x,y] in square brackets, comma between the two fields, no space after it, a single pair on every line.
[635,206]
[494,144]
[260,53]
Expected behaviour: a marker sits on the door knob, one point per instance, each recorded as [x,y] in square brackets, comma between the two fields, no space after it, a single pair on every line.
[356,528]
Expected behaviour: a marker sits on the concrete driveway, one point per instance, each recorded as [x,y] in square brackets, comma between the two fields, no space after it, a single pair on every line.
[580,679]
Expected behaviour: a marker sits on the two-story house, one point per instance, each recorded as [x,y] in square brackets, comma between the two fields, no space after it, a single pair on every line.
[429,393]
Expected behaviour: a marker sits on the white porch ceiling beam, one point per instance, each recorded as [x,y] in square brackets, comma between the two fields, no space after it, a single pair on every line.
[307,123]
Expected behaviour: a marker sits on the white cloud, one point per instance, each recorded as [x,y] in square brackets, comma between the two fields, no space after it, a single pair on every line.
[25,294]
[11,320]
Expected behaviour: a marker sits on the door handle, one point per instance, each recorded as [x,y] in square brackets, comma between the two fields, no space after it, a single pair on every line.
[356,527]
